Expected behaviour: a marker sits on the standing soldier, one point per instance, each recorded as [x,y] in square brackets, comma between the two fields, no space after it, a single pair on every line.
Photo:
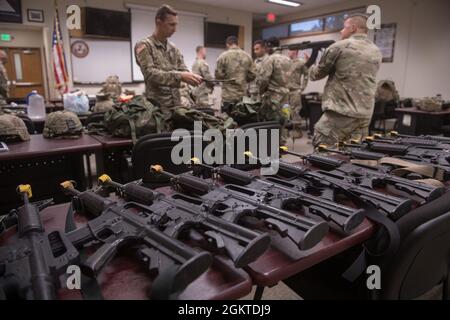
[201,67]
[4,90]
[234,64]
[348,101]
[298,82]
[162,64]
[259,49]
[274,81]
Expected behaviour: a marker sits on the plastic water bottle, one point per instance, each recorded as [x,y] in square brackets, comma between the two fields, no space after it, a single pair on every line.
[36,107]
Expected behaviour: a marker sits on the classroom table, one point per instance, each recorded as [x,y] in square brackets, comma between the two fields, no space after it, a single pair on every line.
[124,278]
[45,163]
[413,121]
[113,159]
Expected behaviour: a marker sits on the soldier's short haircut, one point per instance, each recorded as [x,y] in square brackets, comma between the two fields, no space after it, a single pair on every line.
[232,40]
[262,43]
[197,50]
[359,20]
[164,11]
[273,42]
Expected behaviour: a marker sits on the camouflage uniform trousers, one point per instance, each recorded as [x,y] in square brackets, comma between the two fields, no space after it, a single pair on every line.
[295,102]
[271,110]
[333,128]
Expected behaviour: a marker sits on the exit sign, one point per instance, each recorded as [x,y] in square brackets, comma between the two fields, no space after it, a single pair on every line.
[5,37]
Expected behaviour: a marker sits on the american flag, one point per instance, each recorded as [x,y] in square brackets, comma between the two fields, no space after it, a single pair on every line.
[59,58]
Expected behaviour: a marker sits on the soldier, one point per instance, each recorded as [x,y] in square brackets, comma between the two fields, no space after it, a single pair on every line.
[348,101]
[235,64]
[4,90]
[162,64]
[298,82]
[273,79]
[259,49]
[201,67]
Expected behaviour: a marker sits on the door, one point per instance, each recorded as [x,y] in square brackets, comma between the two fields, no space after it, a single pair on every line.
[24,70]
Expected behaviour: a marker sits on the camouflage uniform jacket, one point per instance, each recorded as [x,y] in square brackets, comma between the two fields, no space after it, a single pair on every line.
[351,66]
[235,64]
[254,86]
[161,64]
[273,76]
[201,93]
[299,75]
[3,84]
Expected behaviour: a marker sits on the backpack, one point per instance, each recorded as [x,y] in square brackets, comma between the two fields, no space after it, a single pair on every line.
[135,118]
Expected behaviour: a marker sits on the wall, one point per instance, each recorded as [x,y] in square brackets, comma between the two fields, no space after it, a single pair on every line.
[213,14]
[421,60]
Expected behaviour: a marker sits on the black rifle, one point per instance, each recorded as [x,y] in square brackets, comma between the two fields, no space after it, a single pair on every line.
[418,142]
[425,137]
[390,205]
[315,46]
[372,177]
[233,202]
[424,154]
[130,225]
[30,267]
[181,213]
[285,195]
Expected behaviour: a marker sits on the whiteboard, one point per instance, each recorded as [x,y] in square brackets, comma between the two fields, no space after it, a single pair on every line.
[189,34]
[105,58]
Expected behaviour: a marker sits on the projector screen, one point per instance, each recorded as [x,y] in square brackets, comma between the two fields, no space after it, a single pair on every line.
[189,35]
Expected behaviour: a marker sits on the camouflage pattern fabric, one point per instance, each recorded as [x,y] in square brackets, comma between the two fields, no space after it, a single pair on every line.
[4,89]
[236,64]
[386,91]
[112,86]
[62,124]
[351,66]
[12,128]
[161,64]
[202,92]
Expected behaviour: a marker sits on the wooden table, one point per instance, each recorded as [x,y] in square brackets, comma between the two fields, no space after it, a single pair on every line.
[415,122]
[44,163]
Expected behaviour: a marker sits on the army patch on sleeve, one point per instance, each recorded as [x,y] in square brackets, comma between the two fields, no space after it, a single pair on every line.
[140,48]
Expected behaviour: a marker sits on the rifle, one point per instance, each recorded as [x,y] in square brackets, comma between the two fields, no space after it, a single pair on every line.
[418,142]
[233,202]
[287,196]
[30,267]
[129,224]
[393,207]
[371,177]
[315,46]
[241,244]
[218,81]
[422,153]
[425,137]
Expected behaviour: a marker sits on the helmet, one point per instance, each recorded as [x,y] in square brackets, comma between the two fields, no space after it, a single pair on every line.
[62,124]
[104,103]
[112,86]
[12,128]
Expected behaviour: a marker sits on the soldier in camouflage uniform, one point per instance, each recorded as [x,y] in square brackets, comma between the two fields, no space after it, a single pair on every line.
[162,64]
[298,81]
[4,90]
[349,96]
[235,64]
[273,78]
[259,49]
[201,67]
[164,70]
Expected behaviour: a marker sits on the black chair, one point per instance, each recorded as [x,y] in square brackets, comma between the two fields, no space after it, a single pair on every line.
[421,263]
[155,149]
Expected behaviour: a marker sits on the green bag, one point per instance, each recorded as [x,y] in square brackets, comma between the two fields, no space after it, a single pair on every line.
[245,111]
[183,118]
[135,118]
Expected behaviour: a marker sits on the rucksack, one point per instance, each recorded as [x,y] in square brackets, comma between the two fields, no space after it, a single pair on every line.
[135,118]
[386,91]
